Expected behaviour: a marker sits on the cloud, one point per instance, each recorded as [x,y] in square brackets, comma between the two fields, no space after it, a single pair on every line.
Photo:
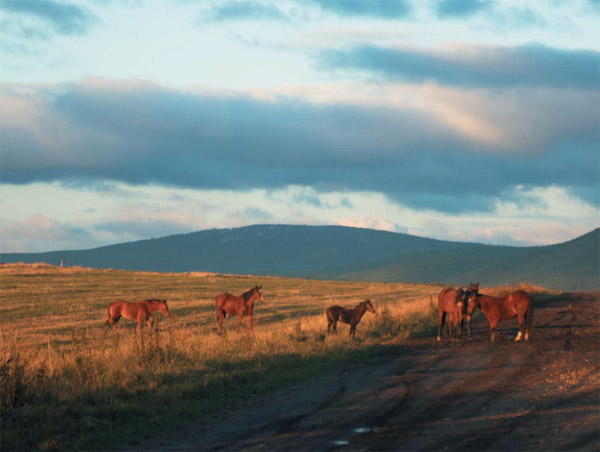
[142,133]
[62,18]
[532,65]
[381,9]
[240,10]
[41,233]
[461,8]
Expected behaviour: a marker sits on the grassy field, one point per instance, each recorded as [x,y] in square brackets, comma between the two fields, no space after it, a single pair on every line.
[64,386]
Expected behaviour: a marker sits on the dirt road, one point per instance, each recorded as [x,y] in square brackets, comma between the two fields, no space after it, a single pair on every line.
[421,395]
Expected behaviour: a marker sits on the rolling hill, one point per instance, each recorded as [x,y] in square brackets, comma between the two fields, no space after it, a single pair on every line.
[336,252]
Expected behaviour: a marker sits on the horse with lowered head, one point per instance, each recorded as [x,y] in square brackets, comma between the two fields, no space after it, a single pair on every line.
[516,304]
[352,317]
[240,305]
[139,312]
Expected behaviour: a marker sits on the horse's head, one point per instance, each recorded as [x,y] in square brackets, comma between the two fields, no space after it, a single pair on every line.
[257,294]
[163,307]
[369,306]
[472,303]
[474,288]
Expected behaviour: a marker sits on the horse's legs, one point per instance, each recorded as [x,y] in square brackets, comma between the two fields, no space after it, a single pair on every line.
[528,321]
[452,327]
[352,330]
[219,320]
[441,315]
[521,325]
[250,321]
[107,324]
[469,326]
[240,315]
[493,325]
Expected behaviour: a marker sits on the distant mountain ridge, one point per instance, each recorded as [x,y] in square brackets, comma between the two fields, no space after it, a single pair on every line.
[337,252]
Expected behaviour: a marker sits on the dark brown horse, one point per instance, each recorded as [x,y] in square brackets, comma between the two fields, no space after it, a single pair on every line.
[139,312]
[516,304]
[352,317]
[473,289]
[451,304]
[240,305]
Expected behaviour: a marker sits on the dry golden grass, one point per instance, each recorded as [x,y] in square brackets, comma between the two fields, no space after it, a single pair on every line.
[501,291]
[59,375]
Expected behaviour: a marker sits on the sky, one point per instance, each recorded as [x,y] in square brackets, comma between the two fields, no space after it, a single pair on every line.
[464,120]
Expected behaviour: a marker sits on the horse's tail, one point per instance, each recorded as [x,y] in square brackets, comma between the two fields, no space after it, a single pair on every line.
[529,317]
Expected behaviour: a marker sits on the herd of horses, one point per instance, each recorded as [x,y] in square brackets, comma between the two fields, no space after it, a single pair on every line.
[454,305]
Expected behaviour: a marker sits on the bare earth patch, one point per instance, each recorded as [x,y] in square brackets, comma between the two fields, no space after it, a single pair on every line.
[420,395]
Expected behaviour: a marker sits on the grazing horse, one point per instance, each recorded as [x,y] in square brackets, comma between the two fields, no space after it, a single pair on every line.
[139,312]
[516,304]
[155,304]
[451,303]
[352,317]
[241,305]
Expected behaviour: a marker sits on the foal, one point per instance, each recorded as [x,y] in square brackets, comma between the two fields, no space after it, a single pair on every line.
[337,314]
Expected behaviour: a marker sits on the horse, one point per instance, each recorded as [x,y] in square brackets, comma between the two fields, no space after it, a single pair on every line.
[352,317]
[516,304]
[473,289]
[451,303]
[241,305]
[139,312]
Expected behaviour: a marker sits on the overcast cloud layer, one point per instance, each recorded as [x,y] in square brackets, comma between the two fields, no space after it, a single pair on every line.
[398,99]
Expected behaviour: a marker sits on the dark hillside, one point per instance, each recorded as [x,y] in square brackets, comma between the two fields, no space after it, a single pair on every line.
[263,249]
[335,252]
[573,265]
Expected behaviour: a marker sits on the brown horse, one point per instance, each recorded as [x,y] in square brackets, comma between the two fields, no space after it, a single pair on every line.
[352,317]
[139,312]
[451,303]
[473,289]
[516,304]
[240,305]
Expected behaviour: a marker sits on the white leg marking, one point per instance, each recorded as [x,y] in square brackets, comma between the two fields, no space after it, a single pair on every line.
[526,336]
[518,338]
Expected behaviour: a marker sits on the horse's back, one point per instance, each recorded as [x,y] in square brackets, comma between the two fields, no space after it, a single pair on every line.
[128,309]
[221,299]
[447,299]
[520,298]
[116,306]
[442,295]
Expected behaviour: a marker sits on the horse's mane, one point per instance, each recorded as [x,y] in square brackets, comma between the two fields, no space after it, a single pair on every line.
[248,294]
